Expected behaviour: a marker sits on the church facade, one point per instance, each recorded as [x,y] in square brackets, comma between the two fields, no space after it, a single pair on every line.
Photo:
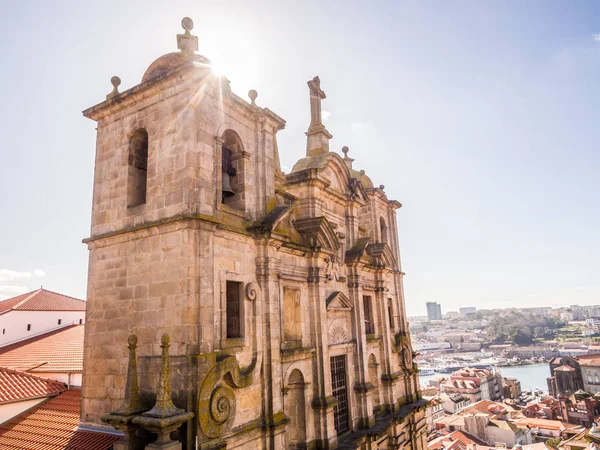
[281,293]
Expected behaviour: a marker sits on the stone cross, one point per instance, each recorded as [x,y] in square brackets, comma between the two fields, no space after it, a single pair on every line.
[318,136]
[316,95]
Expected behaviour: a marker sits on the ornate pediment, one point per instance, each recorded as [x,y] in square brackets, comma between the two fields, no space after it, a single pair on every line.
[381,255]
[338,300]
[355,254]
[271,220]
[317,233]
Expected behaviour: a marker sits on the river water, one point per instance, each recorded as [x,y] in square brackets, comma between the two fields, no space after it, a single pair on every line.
[531,376]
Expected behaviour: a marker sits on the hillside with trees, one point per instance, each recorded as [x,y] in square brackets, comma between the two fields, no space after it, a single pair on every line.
[522,329]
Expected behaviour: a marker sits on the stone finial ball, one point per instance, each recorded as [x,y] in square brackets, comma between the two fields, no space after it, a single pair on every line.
[115,81]
[187,24]
[132,340]
[252,94]
[345,150]
[382,187]
[165,339]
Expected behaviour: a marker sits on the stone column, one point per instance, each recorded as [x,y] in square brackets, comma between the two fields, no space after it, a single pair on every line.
[361,388]
[323,401]
[388,397]
[275,419]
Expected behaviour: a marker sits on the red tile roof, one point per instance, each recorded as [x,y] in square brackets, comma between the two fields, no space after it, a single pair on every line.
[589,360]
[56,351]
[459,440]
[53,426]
[15,386]
[42,300]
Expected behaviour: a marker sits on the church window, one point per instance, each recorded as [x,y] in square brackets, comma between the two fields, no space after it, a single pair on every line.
[234,309]
[28,327]
[340,393]
[138,168]
[292,320]
[597,378]
[390,313]
[80,321]
[368,311]
[383,230]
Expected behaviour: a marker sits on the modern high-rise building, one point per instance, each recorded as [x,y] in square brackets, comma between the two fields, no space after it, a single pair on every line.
[434,311]
[467,310]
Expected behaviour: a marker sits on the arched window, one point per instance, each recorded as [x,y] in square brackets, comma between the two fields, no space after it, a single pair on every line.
[596,378]
[138,168]
[383,230]
[232,170]
[295,409]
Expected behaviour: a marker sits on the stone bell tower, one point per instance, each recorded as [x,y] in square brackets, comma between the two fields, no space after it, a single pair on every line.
[168,247]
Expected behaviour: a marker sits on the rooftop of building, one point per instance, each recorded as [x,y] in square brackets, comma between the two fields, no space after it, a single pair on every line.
[17,386]
[53,426]
[42,300]
[589,360]
[545,424]
[58,351]
[455,440]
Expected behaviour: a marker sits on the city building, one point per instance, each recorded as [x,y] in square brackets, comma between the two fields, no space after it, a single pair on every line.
[434,311]
[476,384]
[495,430]
[580,408]
[277,299]
[465,311]
[38,312]
[454,403]
[565,376]
[590,372]
[434,412]
[512,388]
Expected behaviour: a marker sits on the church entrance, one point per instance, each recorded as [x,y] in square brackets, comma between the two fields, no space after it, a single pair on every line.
[340,392]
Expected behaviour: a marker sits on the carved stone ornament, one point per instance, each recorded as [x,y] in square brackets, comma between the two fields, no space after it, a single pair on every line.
[216,399]
[253,291]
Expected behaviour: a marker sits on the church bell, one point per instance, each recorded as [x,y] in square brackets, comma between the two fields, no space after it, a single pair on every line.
[226,186]
[228,171]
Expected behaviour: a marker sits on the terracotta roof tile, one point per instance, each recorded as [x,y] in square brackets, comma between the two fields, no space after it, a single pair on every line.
[42,300]
[16,385]
[56,351]
[589,360]
[53,426]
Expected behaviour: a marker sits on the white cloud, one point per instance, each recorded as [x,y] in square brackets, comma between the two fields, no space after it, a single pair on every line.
[8,275]
[8,290]
[39,273]
[325,115]
[597,37]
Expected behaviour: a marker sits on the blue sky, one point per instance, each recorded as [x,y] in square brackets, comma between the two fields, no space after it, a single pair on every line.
[480,117]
